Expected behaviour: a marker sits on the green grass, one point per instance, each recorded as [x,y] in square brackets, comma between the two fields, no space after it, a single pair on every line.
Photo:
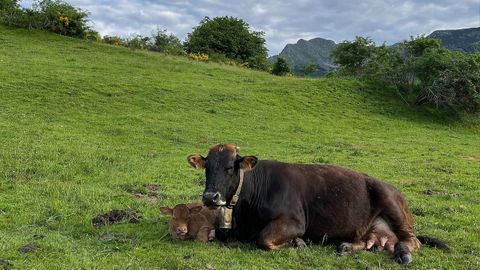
[83,125]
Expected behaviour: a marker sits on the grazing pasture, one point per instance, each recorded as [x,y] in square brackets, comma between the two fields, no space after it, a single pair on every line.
[87,128]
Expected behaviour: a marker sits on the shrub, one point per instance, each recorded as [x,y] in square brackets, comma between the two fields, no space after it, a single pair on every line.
[60,17]
[50,15]
[114,40]
[198,56]
[280,68]
[308,69]
[10,12]
[354,56]
[230,37]
[456,87]
[419,70]
[166,43]
[137,42]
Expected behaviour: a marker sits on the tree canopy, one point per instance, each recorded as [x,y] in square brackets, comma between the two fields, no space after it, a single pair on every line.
[230,37]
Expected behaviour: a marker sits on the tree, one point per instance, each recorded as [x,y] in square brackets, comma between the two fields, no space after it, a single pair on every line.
[353,56]
[60,17]
[280,68]
[166,43]
[9,12]
[231,38]
[308,69]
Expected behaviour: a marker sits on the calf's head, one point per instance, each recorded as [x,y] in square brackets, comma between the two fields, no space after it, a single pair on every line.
[222,170]
[181,213]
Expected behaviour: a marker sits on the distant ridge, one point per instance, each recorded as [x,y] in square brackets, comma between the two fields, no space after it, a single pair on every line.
[461,40]
[305,52]
[317,51]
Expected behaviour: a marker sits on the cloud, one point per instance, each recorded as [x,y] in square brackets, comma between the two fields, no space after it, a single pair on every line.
[286,21]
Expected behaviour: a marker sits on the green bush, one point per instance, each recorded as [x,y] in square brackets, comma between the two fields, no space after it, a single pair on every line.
[419,70]
[230,37]
[354,56]
[51,15]
[166,43]
[137,42]
[280,68]
[10,12]
[456,84]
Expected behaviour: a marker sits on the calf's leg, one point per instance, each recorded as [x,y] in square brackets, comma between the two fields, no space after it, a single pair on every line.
[279,232]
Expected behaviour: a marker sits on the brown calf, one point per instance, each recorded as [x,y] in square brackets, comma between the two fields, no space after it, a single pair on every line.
[191,221]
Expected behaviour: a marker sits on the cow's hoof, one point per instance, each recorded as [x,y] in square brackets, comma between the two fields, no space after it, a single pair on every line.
[402,254]
[211,235]
[404,259]
[344,248]
[299,243]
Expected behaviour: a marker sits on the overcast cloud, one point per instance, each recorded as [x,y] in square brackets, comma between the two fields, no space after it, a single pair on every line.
[286,21]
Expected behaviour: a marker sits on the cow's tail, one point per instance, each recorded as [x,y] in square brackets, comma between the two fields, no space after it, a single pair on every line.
[433,242]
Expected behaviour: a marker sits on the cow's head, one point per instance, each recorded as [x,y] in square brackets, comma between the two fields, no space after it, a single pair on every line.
[222,169]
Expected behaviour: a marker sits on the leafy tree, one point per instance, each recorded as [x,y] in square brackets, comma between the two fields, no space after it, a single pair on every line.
[230,37]
[137,42]
[308,69]
[166,43]
[353,56]
[10,12]
[280,68]
[60,17]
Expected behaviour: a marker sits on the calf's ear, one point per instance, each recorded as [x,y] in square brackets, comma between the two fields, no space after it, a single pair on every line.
[196,161]
[166,211]
[248,162]
[196,209]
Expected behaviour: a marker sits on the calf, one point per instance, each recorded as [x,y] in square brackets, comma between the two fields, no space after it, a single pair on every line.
[191,221]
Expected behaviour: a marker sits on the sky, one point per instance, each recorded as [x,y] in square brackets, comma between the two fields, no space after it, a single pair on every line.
[285,21]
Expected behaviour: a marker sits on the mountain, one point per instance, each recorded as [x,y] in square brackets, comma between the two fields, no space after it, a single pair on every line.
[305,52]
[462,40]
[317,51]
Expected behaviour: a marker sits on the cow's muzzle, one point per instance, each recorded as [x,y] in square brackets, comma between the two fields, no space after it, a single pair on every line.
[213,199]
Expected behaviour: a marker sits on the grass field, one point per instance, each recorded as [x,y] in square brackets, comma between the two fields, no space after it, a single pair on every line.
[84,126]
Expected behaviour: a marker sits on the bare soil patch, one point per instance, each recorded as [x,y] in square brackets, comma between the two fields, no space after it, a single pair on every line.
[115,216]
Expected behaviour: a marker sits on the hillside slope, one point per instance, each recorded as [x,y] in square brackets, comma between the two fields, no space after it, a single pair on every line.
[84,126]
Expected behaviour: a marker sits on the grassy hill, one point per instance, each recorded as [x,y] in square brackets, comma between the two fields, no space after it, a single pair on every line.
[84,126]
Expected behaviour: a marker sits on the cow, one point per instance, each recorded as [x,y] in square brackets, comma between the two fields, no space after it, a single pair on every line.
[191,221]
[276,203]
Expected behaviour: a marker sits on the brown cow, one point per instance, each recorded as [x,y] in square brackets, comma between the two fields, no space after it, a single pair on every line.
[280,202]
[191,221]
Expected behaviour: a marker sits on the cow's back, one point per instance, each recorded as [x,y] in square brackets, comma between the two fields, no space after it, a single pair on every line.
[331,201]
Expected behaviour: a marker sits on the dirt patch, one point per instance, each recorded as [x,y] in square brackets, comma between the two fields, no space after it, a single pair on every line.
[147,192]
[28,248]
[470,158]
[151,196]
[115,216]
[5,265]
[430,192]
[152,187]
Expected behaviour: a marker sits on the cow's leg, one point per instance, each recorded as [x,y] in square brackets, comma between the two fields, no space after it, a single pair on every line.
[399,219]
[279,232]
[346,248]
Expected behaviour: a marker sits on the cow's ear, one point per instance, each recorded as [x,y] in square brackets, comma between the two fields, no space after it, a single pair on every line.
[166,211]
[196,209]
[248,162]
[196,161]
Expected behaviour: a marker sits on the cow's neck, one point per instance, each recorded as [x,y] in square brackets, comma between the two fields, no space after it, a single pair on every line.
[253,188]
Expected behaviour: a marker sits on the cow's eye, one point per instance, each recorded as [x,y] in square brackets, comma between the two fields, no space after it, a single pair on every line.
[229,170]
